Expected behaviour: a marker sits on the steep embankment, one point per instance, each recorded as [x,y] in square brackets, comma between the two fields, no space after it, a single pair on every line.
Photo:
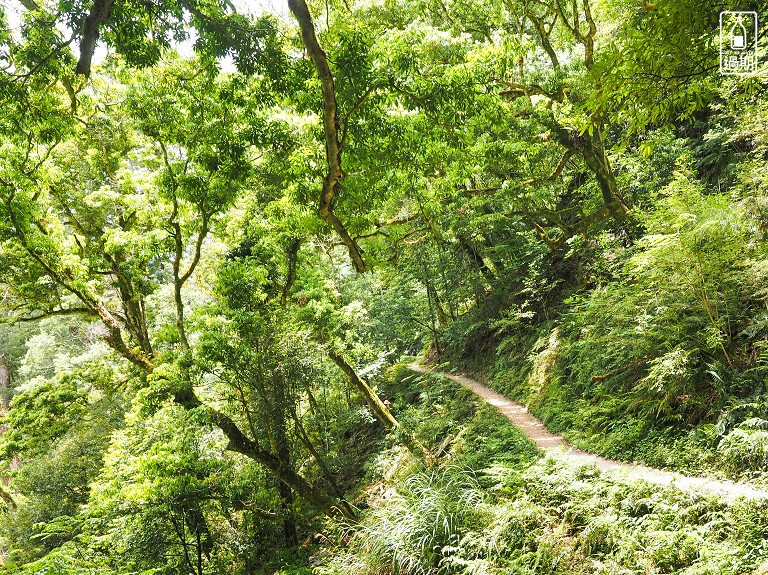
[555,444]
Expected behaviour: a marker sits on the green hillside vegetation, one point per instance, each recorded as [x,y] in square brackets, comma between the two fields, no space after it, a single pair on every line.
[665,364]
[226,232]
[494,506]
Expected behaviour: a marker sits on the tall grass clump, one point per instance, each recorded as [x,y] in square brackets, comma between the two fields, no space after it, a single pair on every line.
[418,525]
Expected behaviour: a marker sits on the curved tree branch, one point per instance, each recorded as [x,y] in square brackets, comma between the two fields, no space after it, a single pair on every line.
[377,407]
[335,173]
[240,443]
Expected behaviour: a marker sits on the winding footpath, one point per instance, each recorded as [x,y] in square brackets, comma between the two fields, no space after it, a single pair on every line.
[557,446]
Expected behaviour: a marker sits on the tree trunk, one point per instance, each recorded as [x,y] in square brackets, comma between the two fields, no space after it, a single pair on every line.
[240,443]
[282,449]
[335,173]
[377,407]
[591,148]
[476,260]
[304,437]
[5,382]
[293,259]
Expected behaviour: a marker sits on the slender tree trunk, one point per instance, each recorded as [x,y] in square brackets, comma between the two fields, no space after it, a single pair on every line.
[181,534]
[199,552]
[5,386]
[293,259]
[477,261]
[331,128]
[5,382]
[282,449]
[377,407]
[304,437]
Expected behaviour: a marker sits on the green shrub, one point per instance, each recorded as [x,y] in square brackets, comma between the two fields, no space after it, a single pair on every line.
[745,447]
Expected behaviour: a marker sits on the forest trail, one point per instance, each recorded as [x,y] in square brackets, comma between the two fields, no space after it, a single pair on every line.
[556,445]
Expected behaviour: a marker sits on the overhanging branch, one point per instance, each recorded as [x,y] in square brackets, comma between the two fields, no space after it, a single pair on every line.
[56,312]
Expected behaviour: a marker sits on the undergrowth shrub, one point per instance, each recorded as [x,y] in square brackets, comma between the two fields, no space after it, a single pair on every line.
[421,523]
[488,439]
[746,447]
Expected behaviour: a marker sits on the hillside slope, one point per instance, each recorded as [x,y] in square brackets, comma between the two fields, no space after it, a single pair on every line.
[494,505]
[555,445]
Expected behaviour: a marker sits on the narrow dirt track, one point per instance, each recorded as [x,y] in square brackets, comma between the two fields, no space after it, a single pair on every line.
[557,446]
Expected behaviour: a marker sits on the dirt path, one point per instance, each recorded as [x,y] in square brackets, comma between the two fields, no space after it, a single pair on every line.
[559,447]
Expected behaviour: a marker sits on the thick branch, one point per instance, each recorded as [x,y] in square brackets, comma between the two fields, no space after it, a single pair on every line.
[240,443]
[517,90]
[30,5]
[590,147]
[574,27]
[583,225]
[115,340]
[558,169]
[377,407]
[99,14]
[560,165]
[304,437]
[538,23]
[335,173]
[180,279]
[398,221]
[205,227]
[378,228]
[293,256]
[564,19]
[55,312]
[114,336]
[5,496]
[327,214]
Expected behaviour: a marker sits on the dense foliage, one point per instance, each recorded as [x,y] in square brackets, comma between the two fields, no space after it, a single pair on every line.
[221,229]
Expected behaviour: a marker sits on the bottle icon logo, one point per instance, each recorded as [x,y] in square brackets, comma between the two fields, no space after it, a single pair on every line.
[738,42]
[738,36]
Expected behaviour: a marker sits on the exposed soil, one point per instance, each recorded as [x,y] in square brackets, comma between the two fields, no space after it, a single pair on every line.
[557,446]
